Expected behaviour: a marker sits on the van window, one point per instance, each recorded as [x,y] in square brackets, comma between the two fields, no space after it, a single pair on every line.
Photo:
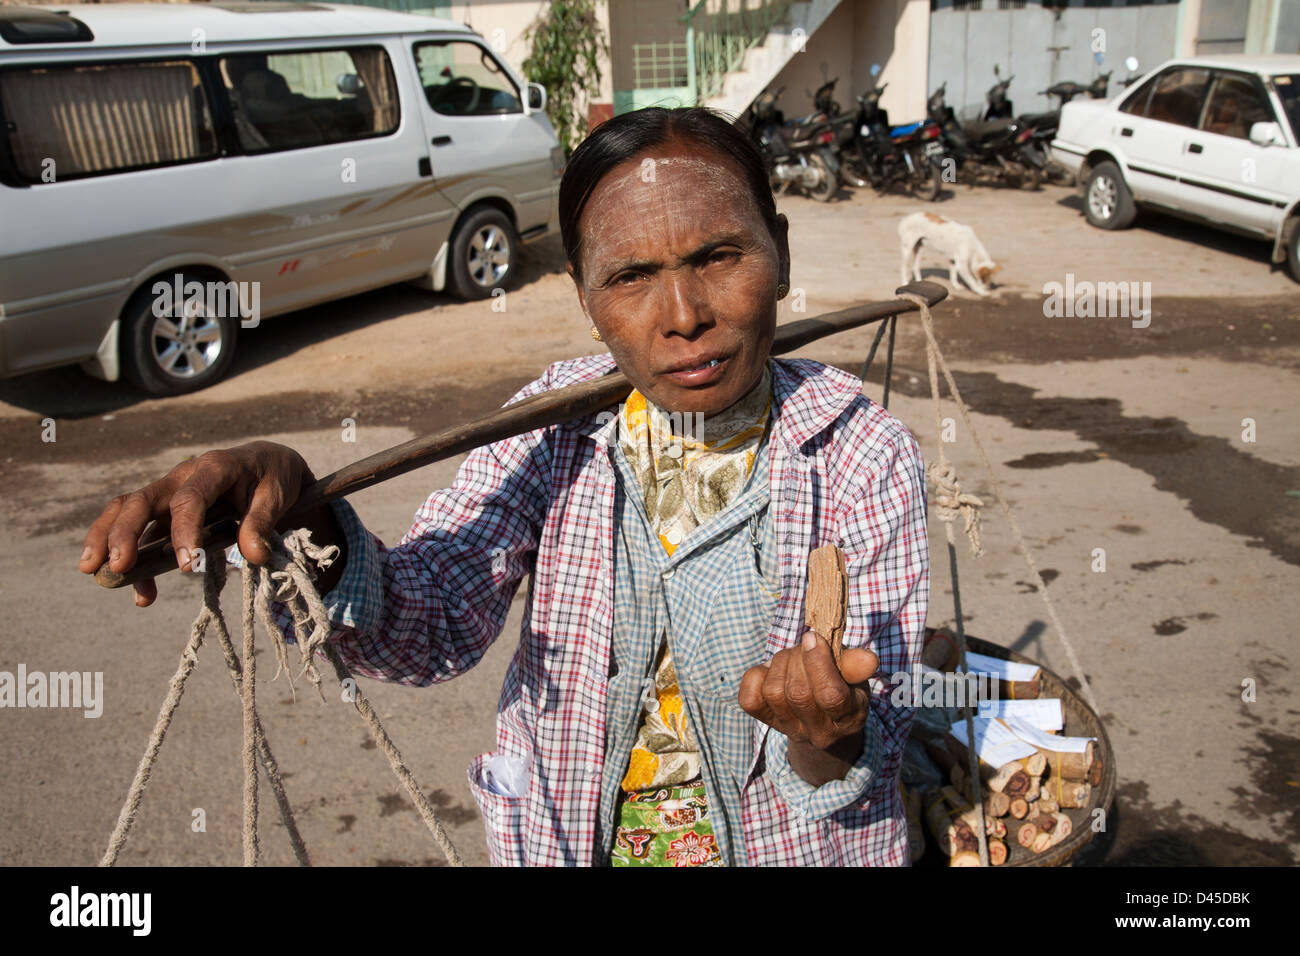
[89,119]
[292,99]
[461,78]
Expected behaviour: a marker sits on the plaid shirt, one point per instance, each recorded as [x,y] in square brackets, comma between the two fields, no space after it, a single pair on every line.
[841,470]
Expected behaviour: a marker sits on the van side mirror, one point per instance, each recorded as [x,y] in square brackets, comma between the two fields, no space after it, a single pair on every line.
[536,96]
[1266,134]
[349,84]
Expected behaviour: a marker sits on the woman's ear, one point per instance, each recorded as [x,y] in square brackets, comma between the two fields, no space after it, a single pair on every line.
[783,249]
[577,284]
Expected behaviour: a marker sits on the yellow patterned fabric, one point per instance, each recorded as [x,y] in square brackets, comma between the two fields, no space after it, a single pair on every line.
[689,469]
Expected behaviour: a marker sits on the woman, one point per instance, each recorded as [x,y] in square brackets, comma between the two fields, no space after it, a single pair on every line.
[665,705]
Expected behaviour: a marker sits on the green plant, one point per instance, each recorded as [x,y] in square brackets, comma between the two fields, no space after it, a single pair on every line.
[567,44]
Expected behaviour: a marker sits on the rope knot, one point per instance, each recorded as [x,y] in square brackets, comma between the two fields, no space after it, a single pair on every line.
[951,501]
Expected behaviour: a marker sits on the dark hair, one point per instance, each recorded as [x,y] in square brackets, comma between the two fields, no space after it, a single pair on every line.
[623,137]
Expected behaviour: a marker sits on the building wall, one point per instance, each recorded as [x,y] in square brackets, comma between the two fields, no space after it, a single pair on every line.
[892,33]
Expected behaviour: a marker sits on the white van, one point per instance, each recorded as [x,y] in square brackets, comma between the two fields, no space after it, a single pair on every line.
[170,173]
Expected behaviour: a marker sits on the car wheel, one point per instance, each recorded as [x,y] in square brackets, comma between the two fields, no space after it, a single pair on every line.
[482,254]
[1107,202]
[176,348]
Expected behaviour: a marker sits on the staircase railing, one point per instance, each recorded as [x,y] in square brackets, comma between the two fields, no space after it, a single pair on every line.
[718,35]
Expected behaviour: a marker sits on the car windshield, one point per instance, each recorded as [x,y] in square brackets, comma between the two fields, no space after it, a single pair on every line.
[1288,91]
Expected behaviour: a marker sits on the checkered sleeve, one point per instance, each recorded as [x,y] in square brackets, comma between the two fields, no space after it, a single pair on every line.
[883,535]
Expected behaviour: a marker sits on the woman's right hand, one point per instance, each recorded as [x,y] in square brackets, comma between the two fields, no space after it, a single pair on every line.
[262,480]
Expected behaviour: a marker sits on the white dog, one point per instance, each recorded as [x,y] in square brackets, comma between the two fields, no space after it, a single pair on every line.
[952,240]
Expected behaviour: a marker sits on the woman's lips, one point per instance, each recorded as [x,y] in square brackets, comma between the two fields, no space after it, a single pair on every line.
[700,376]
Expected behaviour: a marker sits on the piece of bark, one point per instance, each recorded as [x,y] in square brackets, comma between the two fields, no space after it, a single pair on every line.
[997,804]
[827,596]
[1018,807]
[1026,834]
[997,852]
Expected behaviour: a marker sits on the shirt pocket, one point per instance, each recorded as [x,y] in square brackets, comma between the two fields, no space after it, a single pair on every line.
[502,816]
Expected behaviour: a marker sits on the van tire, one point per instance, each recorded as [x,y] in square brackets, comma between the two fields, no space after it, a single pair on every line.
[1293,251]
[483,244]
[144,352]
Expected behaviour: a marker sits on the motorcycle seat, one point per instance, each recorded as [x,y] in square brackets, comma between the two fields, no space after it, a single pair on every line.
[979,129]
[1050,118]
[907,129]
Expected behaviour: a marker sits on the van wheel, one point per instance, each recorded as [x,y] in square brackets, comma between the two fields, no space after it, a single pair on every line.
[1107,202]
[482,254]
[182,350]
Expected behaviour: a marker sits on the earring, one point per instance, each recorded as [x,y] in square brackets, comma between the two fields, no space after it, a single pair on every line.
[782,290]
[595,334]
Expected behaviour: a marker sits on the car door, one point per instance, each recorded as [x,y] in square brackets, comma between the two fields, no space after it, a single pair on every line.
[1226,178]
[481,142]
[1151,131]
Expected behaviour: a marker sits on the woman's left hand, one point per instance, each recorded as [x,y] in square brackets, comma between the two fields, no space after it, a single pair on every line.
[819,707]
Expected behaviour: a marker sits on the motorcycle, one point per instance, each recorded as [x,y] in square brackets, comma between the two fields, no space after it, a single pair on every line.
[1045,125]
[797,153]
[995,147]
[881,155]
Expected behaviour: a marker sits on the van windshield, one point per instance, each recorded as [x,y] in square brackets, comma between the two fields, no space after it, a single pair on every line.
[461,78]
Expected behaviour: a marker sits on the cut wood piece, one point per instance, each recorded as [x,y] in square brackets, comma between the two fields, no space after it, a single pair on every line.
[1018,690]
[1047,805]
[1070,766]
[1018,807]
[997,804]
[1019,784]
[950,834]
[940,651]
[827,596]
[1026,834]
[1062,829]
[1041,842]
[997,852]
[965,858]
[1035,811]
[1035,764]
[1068,793]
[995,827]
[998,781]
[1034,789]
[1094,773]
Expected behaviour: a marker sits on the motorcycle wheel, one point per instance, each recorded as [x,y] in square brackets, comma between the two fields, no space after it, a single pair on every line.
[1028,177]
[830,182]
[925,180]
[854,174]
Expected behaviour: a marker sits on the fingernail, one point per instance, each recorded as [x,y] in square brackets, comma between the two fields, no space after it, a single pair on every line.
[809,641]
[114,554]
[86,554]
[182,557]
[139,599]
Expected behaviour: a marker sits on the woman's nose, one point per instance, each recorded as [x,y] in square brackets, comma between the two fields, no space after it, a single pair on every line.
[684,303]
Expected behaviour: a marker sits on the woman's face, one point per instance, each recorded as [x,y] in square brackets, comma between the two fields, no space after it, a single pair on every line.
[679,275]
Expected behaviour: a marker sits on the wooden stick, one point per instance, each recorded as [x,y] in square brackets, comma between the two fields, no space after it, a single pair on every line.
[540,411]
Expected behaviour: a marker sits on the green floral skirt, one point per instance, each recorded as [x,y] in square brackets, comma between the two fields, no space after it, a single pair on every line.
[668,826]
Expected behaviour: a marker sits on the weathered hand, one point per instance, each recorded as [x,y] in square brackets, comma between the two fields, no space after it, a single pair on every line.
[819,707]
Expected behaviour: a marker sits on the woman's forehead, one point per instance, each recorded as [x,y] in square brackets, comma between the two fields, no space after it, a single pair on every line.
[653,198]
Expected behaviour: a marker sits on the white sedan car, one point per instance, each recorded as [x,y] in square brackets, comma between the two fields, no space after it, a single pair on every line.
[1211,138]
